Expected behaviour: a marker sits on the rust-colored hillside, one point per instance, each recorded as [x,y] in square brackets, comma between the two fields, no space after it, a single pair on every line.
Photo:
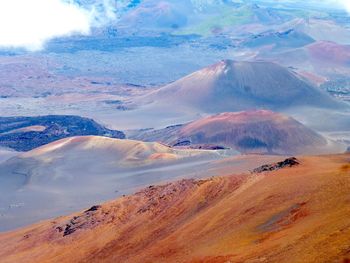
[293,214]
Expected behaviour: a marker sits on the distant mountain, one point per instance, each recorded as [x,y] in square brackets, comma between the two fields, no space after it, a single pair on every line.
[27,133]
[196,17]
[324,30]
[279,40]
[231,86]
[156,15]
[325,53]
[324,59]
[247,132]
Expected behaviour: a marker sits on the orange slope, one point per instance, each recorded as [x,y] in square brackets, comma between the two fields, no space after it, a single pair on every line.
[297,214]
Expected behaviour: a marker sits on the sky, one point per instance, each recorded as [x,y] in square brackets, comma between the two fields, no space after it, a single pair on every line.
[29,24]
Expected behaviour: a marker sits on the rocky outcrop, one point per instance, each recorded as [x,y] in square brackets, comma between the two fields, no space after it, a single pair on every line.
[290,162]
[85,220]
[16,132]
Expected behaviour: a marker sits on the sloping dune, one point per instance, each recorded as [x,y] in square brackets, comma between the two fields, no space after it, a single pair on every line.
[293,214]
[231,86]
[122,151]
[6,154]
[73,173]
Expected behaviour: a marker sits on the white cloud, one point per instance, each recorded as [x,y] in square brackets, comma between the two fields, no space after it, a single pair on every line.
[344,3]
[30,23]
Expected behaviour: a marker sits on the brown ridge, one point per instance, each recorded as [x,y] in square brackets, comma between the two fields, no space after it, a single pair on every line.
[294,214]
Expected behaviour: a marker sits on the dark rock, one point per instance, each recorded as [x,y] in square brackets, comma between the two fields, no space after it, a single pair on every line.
[280,165]
[93,208]
[174,126]
[122,108]
[59,229]
[113,102]
[72,226]
[182,143]
[208,147]
[69,230]
[56,127]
